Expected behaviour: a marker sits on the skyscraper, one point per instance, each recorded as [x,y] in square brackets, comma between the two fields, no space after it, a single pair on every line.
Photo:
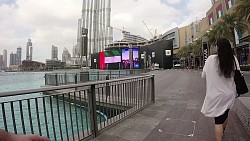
[66,55]
[96,18]
[1,62]
[75,51]
[29,50]
[5,58]
[16,58]
[19,56]
[54,52]
[13,58]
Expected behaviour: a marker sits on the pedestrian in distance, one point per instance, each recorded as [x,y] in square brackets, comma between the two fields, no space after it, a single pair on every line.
[220,86]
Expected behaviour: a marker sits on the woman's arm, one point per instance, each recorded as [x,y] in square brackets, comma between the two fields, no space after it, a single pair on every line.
[5,136]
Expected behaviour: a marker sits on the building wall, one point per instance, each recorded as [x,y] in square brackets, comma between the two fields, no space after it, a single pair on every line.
[28,65]
[159,48]
[182,35]
[203,27]
[53,63]
[127,37]
[188,34]
[173,35]
[214,10]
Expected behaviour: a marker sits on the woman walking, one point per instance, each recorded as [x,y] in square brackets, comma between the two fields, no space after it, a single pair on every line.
[220,86]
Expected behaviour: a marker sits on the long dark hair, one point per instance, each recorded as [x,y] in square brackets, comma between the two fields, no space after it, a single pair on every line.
[225,57]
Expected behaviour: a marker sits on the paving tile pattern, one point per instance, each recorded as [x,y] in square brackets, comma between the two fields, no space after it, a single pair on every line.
[175,115]
[243,114]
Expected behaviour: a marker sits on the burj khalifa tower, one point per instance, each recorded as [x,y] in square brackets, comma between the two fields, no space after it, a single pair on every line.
[96,19]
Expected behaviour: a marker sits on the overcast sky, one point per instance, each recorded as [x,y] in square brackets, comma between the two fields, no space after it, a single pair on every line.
[54,22]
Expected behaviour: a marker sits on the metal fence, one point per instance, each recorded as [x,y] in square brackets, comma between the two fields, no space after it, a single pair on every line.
[76,111]
[56,79]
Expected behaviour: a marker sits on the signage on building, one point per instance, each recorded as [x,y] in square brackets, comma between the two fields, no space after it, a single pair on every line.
[142,56]
[205,51]
[153,54]
[168,52]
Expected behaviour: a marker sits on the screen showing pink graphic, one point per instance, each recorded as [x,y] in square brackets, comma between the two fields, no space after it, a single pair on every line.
[136,58]
[113,56]
[125,58]
[126,61]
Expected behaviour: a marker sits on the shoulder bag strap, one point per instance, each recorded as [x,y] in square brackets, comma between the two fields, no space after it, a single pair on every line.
[235,64]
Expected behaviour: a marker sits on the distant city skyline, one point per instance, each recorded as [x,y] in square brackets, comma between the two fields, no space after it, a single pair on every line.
[16,58]
[55,22]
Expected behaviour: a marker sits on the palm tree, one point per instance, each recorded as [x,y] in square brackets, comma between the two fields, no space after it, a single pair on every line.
[212,36]
[243,10]
[231,23]
[184,53]
[197,50]
[226,28]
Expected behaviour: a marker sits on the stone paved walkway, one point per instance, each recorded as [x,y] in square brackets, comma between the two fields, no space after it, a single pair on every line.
[175,116]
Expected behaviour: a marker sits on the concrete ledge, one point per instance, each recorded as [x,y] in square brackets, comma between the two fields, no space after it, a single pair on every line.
[242,108]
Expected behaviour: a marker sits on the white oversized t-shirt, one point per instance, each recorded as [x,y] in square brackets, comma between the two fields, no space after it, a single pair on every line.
[220,91]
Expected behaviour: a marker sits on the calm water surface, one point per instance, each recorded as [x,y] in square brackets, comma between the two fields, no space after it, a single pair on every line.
[12,81]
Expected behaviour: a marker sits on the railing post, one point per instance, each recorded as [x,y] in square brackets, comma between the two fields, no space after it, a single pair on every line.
[92,111]
[76,78]
[56,79]
[98,76]
[110,74]
[153,89]
[107,87]
[65,78]
[45,79]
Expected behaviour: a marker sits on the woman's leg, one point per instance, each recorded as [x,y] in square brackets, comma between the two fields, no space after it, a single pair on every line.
[220,125]
[225,124]
[218,132]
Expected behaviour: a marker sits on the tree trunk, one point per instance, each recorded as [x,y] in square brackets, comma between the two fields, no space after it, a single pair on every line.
[248,58]
[200,62]
[234,42]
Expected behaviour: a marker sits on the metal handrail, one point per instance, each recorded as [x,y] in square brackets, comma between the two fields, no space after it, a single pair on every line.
[51,88]
[82,111]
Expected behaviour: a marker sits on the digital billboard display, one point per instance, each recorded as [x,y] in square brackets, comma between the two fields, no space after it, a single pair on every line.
[112,56]
[125,58]
[136,58]
[130,56]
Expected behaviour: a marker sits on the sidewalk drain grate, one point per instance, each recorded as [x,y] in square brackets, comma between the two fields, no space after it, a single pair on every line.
[178,127]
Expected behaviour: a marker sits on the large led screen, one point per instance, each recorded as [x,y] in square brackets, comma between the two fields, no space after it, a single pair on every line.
[113,56]
[126,61]
[135,58]
[125,58]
